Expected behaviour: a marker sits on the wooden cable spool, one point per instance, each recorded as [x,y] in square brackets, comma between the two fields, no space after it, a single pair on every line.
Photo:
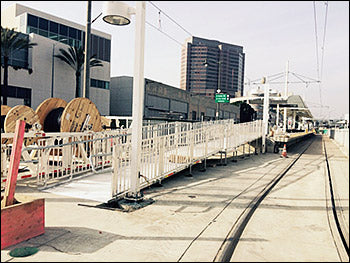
[46,109]
[22,112]
[105,122]
[4,110]
[80,114]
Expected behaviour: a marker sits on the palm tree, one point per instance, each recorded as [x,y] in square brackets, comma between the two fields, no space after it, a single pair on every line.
[74,57]
[11,41]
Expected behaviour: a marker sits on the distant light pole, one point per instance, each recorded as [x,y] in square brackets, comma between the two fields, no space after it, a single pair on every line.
[86,81]
[265,113]
[119,13]
[53,69]
[218,90]
[286,95]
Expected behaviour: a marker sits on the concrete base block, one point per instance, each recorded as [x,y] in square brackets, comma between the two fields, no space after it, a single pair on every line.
[21,221]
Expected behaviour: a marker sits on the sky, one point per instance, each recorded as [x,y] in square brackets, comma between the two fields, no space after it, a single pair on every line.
[271,33]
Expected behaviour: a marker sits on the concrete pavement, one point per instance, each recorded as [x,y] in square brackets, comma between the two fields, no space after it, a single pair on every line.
[189,219]
[293,222]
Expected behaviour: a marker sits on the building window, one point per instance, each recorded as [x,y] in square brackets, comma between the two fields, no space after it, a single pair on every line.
[96,83]
[32,21]
[107,50]
[194,115]
[158,103]
[43,24]
[72,32]
[53,27]
[43,33]
[79,34]
[32,30]
[100,46]
[63,30]
[178,106]
[19,93]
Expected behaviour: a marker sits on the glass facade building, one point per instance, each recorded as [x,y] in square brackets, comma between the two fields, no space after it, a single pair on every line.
[100,46]
[208,65]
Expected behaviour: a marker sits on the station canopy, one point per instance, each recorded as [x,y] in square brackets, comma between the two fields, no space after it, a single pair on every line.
[294,103]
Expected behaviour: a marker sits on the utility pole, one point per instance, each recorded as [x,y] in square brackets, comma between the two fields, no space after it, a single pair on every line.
[218,91]
[265,113]
[286,95]
[86,85]
[52,69]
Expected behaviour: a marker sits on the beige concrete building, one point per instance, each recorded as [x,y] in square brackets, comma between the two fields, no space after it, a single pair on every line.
[50,76]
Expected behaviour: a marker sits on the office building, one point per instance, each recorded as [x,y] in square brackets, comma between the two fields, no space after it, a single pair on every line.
[208,65]
[50,76]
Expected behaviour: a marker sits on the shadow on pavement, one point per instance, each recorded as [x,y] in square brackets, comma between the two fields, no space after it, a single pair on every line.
[71,240]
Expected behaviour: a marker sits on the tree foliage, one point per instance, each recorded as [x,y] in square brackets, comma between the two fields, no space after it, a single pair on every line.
[11,41]
[74,57]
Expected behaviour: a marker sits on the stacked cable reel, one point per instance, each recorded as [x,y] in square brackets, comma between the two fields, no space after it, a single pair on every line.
[79,115]
[19,112]
[53,115]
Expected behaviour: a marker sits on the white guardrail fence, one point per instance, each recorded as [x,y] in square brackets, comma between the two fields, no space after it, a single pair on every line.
[166,149]
[341,136]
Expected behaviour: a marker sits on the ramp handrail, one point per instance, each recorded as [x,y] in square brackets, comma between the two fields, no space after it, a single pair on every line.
[166,149]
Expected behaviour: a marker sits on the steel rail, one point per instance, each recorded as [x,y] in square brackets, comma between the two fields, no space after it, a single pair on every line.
[334,208]
[229,245]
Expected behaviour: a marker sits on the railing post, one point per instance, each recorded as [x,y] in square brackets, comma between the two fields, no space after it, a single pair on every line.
[161,156]
[3,161]
[205,149]
[66,154]
[191,137]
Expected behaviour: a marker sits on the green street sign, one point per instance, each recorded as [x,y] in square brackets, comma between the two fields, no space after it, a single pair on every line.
[222,98]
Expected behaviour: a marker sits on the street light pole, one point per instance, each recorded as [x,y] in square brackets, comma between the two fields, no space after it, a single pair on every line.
[218,91]
[286,95]
[86,86]
[119,13]
[138,95]
[265,114]
[52,69]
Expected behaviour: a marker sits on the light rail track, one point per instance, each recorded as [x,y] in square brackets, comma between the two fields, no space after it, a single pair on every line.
[230,242]
[336,212]
[227,248]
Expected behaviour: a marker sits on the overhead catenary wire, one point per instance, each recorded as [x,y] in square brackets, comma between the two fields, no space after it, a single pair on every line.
[324,38]
[170,18]
[316,43]
[159,28]
[164,33]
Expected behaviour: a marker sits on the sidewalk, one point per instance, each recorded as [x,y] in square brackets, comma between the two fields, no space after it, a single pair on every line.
[188,220]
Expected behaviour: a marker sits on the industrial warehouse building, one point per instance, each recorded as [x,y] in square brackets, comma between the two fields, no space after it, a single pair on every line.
[164,102]
[50,76]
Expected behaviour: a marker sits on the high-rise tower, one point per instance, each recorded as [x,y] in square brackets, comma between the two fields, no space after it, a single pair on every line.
[208,65]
